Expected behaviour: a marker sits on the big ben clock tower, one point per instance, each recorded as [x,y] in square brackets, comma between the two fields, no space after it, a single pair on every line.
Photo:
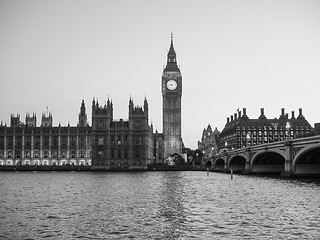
[171,108]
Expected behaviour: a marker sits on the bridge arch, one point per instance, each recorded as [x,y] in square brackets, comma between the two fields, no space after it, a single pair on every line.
[268,161]
[219,164]
[237,163]
[307,160]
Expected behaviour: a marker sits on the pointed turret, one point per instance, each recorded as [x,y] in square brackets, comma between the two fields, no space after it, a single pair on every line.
[31,121]
[146,108]
[145,105]
[82,115]
[130,106]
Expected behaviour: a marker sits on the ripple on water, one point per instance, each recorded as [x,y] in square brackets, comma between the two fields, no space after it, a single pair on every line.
[156,205]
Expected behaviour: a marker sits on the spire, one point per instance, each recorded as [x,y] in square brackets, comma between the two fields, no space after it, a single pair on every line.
[145,105]
[83,108]
[172,58]
[130,104]
[171,50]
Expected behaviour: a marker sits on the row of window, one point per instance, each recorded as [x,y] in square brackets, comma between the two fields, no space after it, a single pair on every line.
[275,133]
[120,154]
[118,164]
[119,140]
[45,154]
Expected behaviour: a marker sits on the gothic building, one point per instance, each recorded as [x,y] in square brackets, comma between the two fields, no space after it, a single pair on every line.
[171,95]
[241,131]
[108,143]
[122,144]
[209,142]
[27,144]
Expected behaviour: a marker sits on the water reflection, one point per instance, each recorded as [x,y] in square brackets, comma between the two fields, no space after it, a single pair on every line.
[172,213]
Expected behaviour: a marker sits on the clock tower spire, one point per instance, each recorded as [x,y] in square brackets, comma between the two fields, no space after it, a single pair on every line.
[172,58]
[171,108]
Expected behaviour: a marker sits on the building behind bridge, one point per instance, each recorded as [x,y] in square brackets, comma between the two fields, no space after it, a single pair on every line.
[241,131]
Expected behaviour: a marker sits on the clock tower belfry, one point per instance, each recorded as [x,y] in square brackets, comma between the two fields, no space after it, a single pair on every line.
[171,108]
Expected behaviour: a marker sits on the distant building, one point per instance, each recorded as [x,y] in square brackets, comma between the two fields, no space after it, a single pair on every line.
[123,143]
[241,131]
[209,142]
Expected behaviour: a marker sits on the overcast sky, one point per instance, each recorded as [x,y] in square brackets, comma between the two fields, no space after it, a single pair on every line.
[232,54]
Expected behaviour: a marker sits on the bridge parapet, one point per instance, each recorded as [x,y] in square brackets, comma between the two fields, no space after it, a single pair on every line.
[289,157]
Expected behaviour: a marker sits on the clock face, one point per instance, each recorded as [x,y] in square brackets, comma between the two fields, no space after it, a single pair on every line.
[171,84]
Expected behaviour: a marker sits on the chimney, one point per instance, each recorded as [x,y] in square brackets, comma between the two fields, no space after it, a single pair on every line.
[262,116]
[239,114]
[244,113]
[235,116]
[300,114]
[292,114]
[228,120]
[282,116]
[231,118]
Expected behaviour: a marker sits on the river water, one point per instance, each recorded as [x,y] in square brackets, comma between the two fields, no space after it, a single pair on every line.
[156,205]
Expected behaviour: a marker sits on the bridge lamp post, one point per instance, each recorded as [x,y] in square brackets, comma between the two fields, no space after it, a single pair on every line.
[288,126]
[248,139]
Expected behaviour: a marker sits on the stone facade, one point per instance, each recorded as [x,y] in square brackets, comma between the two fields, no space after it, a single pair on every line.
[209,142]
[108,143]
[171,95]
[241,131]
[122,144]
[27,144]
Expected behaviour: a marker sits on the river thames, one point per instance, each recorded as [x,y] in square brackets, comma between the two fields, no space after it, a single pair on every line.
[156,205]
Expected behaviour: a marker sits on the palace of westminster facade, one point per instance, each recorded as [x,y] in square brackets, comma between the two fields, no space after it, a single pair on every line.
[131,143]
[108,143]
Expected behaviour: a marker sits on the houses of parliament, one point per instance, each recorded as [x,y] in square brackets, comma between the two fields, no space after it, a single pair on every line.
[132,144]
[107,143]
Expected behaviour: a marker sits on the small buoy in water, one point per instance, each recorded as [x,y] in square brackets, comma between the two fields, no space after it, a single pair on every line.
[207,171]
[231,174]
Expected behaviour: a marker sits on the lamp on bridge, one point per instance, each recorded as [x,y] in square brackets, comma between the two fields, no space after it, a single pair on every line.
[288,126]
[248,139]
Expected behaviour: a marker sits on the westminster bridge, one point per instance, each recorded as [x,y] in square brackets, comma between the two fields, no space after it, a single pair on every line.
[289,158]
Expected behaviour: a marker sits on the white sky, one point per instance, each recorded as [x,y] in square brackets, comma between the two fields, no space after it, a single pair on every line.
[252,54]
